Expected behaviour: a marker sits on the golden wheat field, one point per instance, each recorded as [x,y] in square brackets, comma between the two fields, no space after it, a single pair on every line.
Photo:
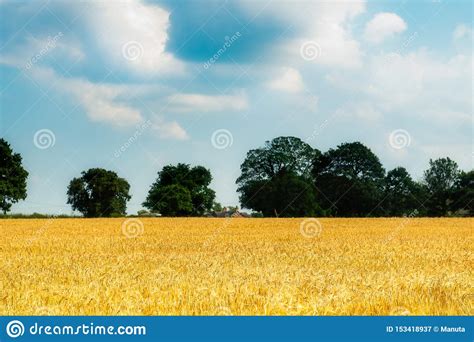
[198,266]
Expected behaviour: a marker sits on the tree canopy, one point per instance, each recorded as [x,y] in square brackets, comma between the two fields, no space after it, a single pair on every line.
[402,195]
[463,194]
[349,180]
[181,190]
[99,193]
[285,177]
[12,177]
[441,180]
[276,178]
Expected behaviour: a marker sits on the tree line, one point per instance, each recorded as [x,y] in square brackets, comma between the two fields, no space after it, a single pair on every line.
[284,178]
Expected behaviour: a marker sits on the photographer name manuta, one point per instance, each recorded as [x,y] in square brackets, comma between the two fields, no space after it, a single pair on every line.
[452,329]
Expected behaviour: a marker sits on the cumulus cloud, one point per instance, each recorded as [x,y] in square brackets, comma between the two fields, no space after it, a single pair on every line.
[326,23]
[133,34]
[207,103]
[382,26]
[290,81]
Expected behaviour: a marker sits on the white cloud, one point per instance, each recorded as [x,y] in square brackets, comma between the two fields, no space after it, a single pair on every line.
[326,23]
[382,26]
[107,103]
[290,81]
[36,51]
[462,31]
[102,102]
[420,79]
[414,85]
[169,130]
[134,35]
[207,103]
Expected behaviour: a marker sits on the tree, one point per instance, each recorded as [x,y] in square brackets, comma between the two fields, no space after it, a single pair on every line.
[99,193]
[12,177]
[402,196]
[181,191]
[349,180]
[217,207]
[463,196]
[276,178]
[174,200]
[441,180]
[284,195]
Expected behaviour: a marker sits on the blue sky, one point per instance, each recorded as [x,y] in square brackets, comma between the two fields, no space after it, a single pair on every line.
[134,85]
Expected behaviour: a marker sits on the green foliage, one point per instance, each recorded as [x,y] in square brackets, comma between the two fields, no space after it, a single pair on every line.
[402,196]
[282,154]
[174,200]
[275,179]
[284,195]
[181,191]
[349,180]
[12,177]
[217,207]
[463,195]
[441,180]
[35,216]
[99,193]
